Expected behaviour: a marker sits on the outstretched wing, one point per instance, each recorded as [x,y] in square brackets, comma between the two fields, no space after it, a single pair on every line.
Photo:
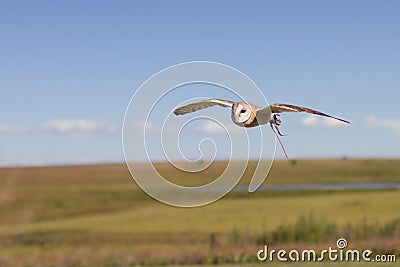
[202,105]
[279,108]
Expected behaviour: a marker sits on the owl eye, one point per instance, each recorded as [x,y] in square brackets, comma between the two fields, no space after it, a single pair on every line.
[243,111]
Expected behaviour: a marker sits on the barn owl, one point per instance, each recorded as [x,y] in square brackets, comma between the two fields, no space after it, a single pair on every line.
[245,114]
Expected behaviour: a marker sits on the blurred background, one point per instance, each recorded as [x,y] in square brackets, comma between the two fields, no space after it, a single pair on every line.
[69,69]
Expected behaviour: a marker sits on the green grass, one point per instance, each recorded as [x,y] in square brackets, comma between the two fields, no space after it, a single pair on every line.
[302,264]
[97,216]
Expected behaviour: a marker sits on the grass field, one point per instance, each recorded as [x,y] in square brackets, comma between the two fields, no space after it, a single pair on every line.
[97,216]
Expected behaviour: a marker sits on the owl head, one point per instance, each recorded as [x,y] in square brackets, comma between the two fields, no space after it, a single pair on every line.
[243,114]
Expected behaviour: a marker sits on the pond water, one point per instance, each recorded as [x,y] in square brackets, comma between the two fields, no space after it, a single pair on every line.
[342,186]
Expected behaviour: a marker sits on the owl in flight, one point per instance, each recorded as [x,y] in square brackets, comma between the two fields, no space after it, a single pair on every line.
[245,114]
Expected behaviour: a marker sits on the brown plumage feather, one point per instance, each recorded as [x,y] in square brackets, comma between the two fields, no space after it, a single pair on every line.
[279,108]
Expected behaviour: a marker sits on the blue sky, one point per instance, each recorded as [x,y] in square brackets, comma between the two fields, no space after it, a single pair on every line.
[69,68]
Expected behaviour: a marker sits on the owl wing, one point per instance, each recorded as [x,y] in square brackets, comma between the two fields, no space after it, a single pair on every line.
[279,108]
[202,105]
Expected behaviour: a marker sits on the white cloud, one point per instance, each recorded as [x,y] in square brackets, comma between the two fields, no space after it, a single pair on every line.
[79,126]
[145,125]
[314,121]
[4,128]
[392,124]
[153,128]
[211,127]
[208,127]
[170,130]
